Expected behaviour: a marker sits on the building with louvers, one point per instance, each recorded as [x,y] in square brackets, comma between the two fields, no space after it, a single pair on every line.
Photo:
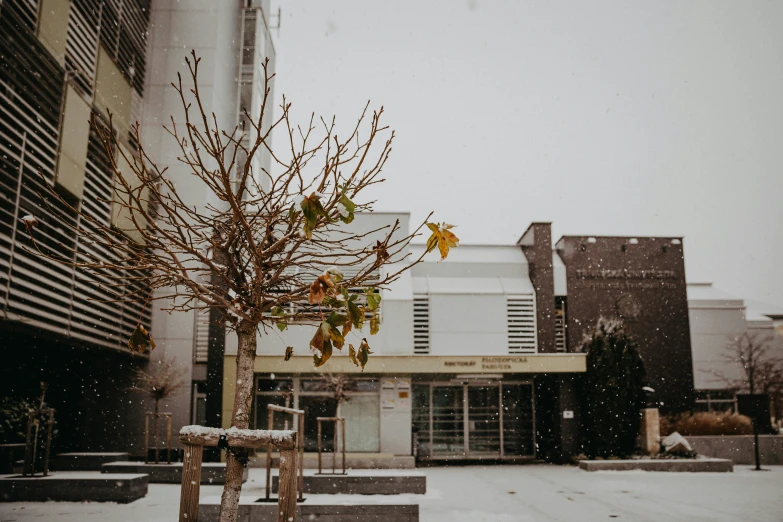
[61,63]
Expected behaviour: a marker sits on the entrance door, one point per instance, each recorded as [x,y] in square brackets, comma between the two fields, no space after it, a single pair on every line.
[448,421]
[489,420]
[483,421]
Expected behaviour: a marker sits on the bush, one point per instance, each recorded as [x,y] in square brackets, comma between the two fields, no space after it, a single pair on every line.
[706,423]
[612,391]
[13,419]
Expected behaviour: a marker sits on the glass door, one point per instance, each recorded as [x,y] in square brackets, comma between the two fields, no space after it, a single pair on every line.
[483,421]
[475,420]
[448,421]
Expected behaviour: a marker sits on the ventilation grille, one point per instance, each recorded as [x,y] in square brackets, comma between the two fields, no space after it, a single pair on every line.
[201,339]
[421,324]
[521,319]
[560,325]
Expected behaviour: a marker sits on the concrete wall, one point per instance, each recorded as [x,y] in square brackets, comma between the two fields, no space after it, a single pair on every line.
[740,448]
[715,318]
[212,29]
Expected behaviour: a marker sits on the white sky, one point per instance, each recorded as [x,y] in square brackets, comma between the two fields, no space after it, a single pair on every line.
[606,118]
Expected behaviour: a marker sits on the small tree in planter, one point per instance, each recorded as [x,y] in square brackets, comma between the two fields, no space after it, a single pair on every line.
[338,385]
[612,395]
[162,381]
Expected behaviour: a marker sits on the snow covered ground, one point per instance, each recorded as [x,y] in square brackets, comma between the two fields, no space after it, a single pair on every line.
[530,493]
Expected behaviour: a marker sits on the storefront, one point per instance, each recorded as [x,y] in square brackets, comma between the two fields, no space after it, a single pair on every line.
[418,405]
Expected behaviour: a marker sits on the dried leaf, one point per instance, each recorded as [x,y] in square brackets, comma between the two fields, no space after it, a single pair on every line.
[442,238]
[381,252]
[364,352]
[375,323]
[352,354]
[140,341]
[337,339]
[326,354]
[317,342]
[289,351]
[319,287]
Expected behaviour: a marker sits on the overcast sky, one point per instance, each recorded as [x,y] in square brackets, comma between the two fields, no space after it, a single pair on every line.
[606,118]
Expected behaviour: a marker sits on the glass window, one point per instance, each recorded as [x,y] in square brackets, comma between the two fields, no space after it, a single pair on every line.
[362,423]
[275,385]
[316,406]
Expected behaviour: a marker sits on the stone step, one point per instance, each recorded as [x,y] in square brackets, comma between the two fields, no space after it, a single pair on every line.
[353,484]
[74,487]
[352,461]
[212,473]
[671,465]
[86,461]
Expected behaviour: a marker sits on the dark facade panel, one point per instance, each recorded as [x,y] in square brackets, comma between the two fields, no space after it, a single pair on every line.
[641,281]
[536,243]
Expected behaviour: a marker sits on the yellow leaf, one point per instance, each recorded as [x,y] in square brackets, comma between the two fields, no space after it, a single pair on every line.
[443,238]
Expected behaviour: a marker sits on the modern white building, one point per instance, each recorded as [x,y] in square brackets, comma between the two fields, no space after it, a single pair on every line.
[232,40]
[717,318]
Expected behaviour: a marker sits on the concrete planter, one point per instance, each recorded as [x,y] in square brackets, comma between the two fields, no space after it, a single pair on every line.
[739,448]
[670,465]
[73,487]
[316,510]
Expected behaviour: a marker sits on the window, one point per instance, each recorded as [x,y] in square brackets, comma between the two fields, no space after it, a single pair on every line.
[716,400]
[361,410]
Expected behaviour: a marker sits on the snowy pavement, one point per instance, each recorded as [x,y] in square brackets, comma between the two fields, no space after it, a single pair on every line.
[528,493]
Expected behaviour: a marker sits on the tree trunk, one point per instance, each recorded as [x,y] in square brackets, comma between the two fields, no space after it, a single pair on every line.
[236,460]
[156,431]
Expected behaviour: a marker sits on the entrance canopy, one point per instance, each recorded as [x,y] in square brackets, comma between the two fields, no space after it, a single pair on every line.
[429,364]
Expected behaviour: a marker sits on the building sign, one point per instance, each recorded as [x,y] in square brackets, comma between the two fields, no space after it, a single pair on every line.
[485,363]
[623,278]
[428,364]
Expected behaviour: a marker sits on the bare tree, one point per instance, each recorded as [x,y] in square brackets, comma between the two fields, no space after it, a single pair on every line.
[338,385]
[761,372]
[163,380]
[271,250]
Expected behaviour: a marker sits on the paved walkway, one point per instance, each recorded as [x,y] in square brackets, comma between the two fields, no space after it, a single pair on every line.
[529,493]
